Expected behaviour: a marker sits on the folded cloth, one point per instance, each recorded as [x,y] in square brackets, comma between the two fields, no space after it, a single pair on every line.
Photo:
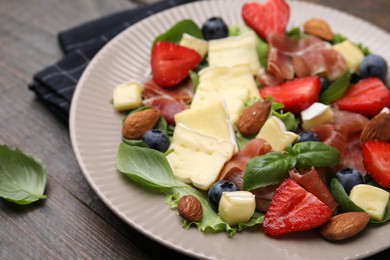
[55,85]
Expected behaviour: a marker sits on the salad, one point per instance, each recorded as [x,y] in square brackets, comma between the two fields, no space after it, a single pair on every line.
[255,125]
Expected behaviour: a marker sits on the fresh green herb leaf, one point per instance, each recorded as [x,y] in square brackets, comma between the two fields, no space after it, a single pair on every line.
[336,90]
[162,125]
[175,33]
[268,169]
[288,119]
[195,79]
[296,33]
[337,38]
[22,177]
[146,167]
[138,143]
[242,141]
[315,154]
[339,194]
[251,101]
[366,51]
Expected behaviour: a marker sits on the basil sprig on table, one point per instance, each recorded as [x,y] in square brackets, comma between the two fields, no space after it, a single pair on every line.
[22,178]
[272,168]
[150,169]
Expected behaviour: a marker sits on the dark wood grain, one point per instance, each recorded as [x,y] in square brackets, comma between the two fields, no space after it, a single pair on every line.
[73,222]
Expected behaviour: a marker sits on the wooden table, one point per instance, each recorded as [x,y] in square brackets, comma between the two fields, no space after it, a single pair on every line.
[73,222]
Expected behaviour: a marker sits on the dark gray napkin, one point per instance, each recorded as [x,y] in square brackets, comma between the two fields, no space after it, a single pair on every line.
[55,85]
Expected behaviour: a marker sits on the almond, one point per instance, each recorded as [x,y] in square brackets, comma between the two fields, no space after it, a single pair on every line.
[378,128]
[344,225]
[138,123]
[190,208]
[253,118]
[319,28]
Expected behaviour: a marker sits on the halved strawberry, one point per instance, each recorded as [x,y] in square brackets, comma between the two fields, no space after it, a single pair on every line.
[265,18]
[296,95]
[294,209]
[376,160]
[367,97]
[171,63]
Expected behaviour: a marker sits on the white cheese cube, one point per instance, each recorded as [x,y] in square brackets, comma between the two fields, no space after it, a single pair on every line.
[372,200]
[275,133]
[127,96]
[197,158]
[237,207]
[235,50]
[211,119]
[235,85]
[198,45]
[351,53]
[315,115]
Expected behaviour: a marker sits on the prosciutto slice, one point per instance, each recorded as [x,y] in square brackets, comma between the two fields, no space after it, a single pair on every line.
[167,106]
[302,57]
[235,168]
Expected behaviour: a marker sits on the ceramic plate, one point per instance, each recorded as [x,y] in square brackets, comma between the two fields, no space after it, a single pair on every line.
[95,129]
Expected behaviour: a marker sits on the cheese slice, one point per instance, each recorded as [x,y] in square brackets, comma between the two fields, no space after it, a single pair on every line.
[372,200]
[275,133]
[237,207]
[235,50]
[235,85]
[197,158]
[198,45]
[211,119]
[351,53]
[315,115]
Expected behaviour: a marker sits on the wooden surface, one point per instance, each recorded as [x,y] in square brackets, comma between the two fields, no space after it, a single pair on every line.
[73,223]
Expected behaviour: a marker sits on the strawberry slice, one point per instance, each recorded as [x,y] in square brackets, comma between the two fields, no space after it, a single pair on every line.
[266,18]
[376,160]
[294,209]
[296,95]
[367,97]
[171,63]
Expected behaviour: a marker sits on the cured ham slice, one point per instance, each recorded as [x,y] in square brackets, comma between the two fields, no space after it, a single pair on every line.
[349,122]
[313,183]
[303,57]
[167,106]
[235,168]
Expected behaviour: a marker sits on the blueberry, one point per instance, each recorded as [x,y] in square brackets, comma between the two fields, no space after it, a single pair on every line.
[156,139]
[306,136]
[214,28]
[373,66]
[349,178]
[325,83]
[215,192]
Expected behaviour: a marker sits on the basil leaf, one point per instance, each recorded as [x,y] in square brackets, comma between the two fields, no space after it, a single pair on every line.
[175,33]
[139,143]
[336,90]
[337,38]
[339,194]
[295,33]
[288,119]
[315,154]
[268,169]
[146,167]
[22,177]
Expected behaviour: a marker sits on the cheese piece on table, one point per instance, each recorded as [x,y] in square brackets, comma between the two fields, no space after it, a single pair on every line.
[127,96]
[275,133]
[351,53]
[315,115]
[234,85]
[235,50]
[372,200]
[198,45]
[211,119]
[197,158]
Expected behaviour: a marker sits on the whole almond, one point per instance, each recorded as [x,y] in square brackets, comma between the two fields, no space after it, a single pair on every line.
[138,123]
[253,118]
[378,128]
[190,208]
[344,225]
[319,28]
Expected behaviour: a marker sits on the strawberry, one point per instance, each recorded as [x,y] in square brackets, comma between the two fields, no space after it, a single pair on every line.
[296,95]
[367,97]
[376,160]
[294,209]
[266,18]
[171,63]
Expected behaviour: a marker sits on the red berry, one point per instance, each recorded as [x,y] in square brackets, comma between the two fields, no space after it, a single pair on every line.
[266,18]
[296,95]
[171,63]
[376,160]
[294,209]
